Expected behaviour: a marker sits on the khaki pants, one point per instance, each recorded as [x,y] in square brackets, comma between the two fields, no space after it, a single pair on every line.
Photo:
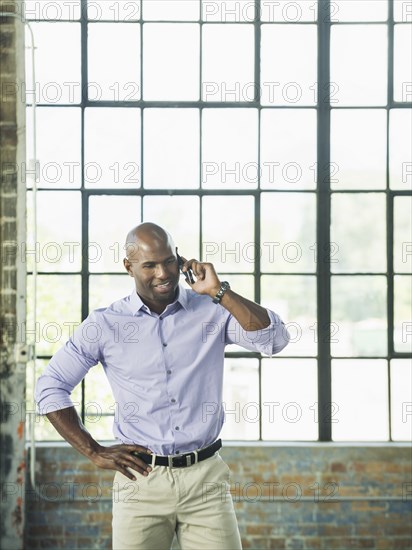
[194,502]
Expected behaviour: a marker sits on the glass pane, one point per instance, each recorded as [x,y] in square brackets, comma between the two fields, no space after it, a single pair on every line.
[400,148]
[359,10]
[31,379]
[178,215]
[57,313]
[171,148]
[227,245]
[229,11]
[358,232]
[106,289]
[358,149]
[243,285]
[360,397]
[106,240]
[359,324]
[402,76]
[401,399]
[112,75]
[44,430]
[287,241]
[59,244]
[58,77]
[288,78]
[283,295]
[98,395]
[359,64]
[288,148]
[230,148]
[100,426]
[288,12]
[402,11]
[112,147]
[402,313]
[58,146]
[289,410]
[115,10]
[48,11]
[241,399]
[164,10]
[402,245]
[170,62]
[228,63]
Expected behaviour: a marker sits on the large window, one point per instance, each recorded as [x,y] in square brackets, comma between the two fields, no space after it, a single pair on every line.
[271,138]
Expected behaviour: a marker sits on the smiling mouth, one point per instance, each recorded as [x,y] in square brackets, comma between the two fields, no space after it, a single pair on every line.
[164,286]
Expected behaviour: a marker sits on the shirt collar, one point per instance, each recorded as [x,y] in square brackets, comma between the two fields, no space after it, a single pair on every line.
[136,303]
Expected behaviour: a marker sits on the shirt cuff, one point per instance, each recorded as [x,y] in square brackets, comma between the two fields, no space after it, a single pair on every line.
[271,339]
[50,397]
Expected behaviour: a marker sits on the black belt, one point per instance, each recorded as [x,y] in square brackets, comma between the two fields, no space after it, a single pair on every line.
[183,460]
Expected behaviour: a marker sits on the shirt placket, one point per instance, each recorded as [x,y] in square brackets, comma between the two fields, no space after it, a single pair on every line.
[174,406]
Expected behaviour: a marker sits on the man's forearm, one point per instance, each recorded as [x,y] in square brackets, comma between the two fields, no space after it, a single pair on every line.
[116,457]
[69,425]
[250,315]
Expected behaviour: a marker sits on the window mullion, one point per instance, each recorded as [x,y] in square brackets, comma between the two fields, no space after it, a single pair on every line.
[85,196]
[323,223]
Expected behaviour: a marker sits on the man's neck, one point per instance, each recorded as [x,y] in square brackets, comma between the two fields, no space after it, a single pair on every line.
[158,307]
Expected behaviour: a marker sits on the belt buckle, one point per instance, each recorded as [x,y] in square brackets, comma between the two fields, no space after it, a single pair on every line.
[187,457]
[170,460]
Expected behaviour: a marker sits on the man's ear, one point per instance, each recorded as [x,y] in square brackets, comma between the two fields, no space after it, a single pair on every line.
[128,266]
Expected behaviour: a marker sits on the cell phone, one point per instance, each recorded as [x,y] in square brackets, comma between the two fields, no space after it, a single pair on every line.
[189,273]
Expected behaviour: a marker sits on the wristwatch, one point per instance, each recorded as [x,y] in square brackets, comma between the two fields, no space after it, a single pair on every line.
[223,287]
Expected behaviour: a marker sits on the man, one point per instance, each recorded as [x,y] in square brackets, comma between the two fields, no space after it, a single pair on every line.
[162,349]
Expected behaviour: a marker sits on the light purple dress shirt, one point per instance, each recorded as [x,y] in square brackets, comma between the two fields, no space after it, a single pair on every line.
[165,371]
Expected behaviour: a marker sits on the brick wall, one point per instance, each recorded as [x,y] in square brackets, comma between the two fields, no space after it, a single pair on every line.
[12,273]
[302,497]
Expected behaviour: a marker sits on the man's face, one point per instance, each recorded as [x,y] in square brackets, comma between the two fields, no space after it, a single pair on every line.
[154,267]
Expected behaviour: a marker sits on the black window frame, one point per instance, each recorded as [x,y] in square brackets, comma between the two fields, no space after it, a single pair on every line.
[323,193]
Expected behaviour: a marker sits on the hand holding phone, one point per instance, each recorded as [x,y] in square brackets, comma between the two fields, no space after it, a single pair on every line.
[189,273]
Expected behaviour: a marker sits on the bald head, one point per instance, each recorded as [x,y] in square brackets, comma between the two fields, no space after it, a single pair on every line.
[147,236]
[152,262]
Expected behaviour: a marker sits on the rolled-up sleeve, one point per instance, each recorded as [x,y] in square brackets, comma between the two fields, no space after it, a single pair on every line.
[67,368]
[269,340]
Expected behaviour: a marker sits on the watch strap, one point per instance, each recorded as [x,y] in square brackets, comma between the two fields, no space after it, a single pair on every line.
[223,288]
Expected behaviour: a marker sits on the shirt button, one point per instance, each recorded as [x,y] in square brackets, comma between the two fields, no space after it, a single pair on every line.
[169,371]
[177,428]
[177,452]
[165,345]
[161,318]
[173,400]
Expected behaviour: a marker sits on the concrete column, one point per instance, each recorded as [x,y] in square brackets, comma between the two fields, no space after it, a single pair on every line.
[12,277]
